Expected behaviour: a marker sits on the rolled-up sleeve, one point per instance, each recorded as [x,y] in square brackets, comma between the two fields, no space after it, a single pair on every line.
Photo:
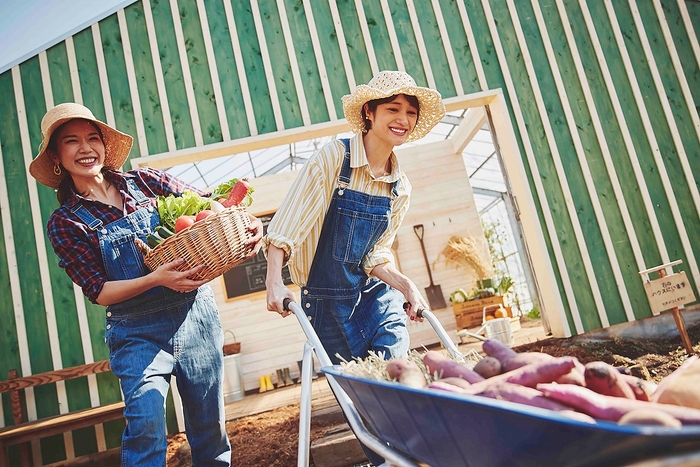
[302,212]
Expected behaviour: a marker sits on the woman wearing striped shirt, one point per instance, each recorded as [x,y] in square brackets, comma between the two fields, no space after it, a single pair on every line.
[336,225]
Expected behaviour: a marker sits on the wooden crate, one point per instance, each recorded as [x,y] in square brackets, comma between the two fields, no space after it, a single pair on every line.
[471,313]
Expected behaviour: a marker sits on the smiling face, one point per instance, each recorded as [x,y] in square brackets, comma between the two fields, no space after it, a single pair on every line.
[393,121]
[77,145]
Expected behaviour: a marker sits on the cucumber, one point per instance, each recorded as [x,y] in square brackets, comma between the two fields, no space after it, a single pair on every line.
[164,232]
[153,241]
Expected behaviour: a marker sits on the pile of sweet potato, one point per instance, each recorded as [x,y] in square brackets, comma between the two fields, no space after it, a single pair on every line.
[590,392]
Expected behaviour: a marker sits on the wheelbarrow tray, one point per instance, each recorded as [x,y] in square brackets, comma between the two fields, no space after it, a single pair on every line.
[446,429]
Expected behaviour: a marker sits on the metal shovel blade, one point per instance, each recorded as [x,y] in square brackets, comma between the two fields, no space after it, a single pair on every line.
[435,298]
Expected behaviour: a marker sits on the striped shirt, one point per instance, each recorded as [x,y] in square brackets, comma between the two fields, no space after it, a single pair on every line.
[78,247]
[296,226]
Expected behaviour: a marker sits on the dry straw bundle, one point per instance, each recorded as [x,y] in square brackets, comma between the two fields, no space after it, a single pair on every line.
[469,252]
[374,366]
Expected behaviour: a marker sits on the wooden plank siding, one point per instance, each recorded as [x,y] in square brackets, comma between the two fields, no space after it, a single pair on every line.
[601,97]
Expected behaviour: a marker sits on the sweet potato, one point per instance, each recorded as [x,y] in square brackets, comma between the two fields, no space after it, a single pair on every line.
[488,367]
[530,375]
[641,388]
[649,417]
[522,395]
[512,360]
[682,387]
[441,366]
[611,408]
[443,385]
[524,358]
[497,349]
[407,373]
[604,378]
[459,382]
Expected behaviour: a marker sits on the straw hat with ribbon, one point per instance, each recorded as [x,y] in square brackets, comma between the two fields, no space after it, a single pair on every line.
[390,83]
[43,168]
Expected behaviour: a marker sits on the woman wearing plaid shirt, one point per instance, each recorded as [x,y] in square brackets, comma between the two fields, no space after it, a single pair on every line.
[158,323]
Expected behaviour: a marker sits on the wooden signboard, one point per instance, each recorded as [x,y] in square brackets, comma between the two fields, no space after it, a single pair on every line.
[669,291]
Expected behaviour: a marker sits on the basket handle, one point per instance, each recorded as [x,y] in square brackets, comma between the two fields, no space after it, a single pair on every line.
[142,246]
[228,331]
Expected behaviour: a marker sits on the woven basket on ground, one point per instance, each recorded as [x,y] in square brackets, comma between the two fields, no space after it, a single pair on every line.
[233,347]
[217,241]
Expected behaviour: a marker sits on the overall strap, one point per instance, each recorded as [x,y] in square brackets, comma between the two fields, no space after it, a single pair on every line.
[345,170]
[85,216]
[137,194]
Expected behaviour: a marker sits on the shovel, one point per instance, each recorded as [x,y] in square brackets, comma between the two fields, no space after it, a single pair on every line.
[434,292]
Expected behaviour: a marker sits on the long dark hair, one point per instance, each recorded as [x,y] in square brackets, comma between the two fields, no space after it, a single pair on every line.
[67,187]
[373,104]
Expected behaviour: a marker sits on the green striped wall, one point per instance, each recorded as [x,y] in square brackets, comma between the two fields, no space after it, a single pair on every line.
[603,96]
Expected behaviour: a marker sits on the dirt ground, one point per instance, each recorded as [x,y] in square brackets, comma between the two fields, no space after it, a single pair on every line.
[267,439]
[270,439]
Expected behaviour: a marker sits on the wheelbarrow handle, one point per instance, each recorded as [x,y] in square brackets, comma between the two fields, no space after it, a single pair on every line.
[439,330]
[352,416]
[289,305]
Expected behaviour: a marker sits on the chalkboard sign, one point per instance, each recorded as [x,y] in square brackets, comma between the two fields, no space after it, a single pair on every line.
[249,276]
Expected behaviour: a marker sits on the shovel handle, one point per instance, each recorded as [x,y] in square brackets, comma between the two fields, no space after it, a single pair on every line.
[418,229]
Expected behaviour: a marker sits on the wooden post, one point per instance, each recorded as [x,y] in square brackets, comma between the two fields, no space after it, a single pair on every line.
[680,324]
[18,417]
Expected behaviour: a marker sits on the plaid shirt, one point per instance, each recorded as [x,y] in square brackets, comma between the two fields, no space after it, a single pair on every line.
[78,247]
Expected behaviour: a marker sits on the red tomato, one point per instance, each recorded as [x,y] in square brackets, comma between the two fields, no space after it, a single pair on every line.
[203,214]
[183,222]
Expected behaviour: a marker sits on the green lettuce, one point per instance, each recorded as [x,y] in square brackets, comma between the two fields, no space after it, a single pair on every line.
[188,204]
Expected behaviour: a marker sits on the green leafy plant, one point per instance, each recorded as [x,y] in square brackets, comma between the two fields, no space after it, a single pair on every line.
[534,313]
[505,285]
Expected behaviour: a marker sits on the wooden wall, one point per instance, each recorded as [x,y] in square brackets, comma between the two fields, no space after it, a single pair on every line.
[270,342]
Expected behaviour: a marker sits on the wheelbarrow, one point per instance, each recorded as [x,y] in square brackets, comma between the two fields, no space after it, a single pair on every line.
[313,344]
[413,427]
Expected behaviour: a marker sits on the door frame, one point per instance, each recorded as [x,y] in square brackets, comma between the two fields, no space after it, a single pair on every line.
[550,300]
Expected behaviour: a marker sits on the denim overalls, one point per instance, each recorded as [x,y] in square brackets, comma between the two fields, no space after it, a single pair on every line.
[350,312]
[157,334]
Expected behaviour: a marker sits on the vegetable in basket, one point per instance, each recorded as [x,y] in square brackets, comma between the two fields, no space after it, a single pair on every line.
[172,207]
[235,192]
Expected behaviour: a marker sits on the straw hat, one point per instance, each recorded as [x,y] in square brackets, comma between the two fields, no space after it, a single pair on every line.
[117,144]
[391,83]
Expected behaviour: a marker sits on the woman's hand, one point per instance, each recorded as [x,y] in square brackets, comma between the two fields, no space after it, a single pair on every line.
[415,301]
[168,276]
[254,243]
[165,275]
[276,294]
[276,290]
[388,273]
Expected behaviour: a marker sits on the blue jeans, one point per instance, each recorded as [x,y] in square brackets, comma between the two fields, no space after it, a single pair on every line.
[150,344]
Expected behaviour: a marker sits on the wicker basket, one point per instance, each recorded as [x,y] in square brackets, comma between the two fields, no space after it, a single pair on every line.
[217,241]
[232,348]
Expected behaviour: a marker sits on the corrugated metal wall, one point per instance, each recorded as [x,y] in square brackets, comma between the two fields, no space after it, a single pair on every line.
[603,96]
